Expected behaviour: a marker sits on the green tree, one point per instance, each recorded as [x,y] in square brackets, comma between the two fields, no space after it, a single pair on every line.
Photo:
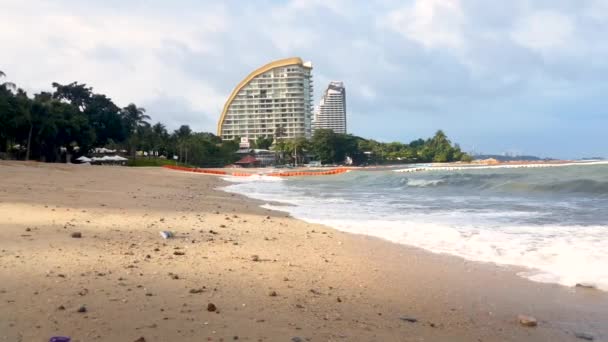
[76,94]
[133,119]
[264,143]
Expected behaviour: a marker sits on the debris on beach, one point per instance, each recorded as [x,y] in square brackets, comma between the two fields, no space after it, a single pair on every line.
[211,307]
[272,293]
[82,309]
[76,235]
[179,253]
[166,234]
[527,321]
[255,257]
[141,339]
[408,319]
[60,339]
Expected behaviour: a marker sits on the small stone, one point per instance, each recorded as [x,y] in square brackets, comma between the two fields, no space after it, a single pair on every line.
[28,229]
[584,336]
[235,338]
[339,300]
[255,257]
[76,235]
[141,339]
[61,308]
[179,253]
[197,291]
[585,286]
[211,307]
[296,339]
[82,309]
[527,321]
[272,293]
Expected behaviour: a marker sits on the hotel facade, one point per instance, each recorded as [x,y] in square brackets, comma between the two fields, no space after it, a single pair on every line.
[331,113]
[278,94]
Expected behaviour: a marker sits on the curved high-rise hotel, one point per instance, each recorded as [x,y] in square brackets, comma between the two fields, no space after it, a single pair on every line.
[278,94]
[331,113]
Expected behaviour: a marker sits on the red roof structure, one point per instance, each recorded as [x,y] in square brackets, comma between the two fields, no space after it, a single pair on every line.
[247,160]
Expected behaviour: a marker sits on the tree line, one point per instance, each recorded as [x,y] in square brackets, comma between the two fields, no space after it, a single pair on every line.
[71,120]
[329,147]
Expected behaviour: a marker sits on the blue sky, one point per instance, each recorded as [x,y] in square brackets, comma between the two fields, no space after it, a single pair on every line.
[498,76]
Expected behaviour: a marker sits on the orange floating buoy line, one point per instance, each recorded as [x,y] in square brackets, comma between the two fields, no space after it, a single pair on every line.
[273,174]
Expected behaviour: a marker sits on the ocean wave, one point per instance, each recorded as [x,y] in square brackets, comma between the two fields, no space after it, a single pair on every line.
[575,186]
[481,215]
[421,168]
[424,182]
[554,254]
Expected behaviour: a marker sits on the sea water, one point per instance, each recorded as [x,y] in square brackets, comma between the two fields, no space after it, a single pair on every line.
[552,221]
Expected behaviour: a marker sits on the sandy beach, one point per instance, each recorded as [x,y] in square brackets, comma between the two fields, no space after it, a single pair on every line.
[235,271]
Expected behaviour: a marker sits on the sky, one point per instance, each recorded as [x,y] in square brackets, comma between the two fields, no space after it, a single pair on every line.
[517,76]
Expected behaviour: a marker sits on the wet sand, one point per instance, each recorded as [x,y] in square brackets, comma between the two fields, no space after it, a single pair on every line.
[270,277]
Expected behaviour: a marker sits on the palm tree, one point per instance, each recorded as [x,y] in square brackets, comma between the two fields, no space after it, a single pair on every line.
[135,117]
[7,85]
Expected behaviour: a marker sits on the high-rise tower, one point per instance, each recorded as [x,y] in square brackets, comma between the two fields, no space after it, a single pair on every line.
[331,113]
[279,94]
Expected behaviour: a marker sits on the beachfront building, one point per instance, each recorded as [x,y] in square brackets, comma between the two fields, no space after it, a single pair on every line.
[331,113]
[277,96]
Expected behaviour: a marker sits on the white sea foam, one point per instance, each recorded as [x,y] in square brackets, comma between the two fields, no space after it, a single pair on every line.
[252,179]
[423,182]
[507,166]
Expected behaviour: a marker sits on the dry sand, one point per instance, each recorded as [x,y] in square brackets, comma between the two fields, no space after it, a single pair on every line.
[309,281]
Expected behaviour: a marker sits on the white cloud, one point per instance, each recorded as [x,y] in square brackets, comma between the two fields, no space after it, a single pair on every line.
[64,45]
[432,23]
[543,31]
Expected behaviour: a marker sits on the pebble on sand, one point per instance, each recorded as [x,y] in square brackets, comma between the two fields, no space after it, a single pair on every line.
[272,293]
[255,257]
[82,309]
[141,339]
[76,235]
[527,321]
[211,307]
[584,336]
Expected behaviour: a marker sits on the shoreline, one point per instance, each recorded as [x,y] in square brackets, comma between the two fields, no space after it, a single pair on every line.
[377,282]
